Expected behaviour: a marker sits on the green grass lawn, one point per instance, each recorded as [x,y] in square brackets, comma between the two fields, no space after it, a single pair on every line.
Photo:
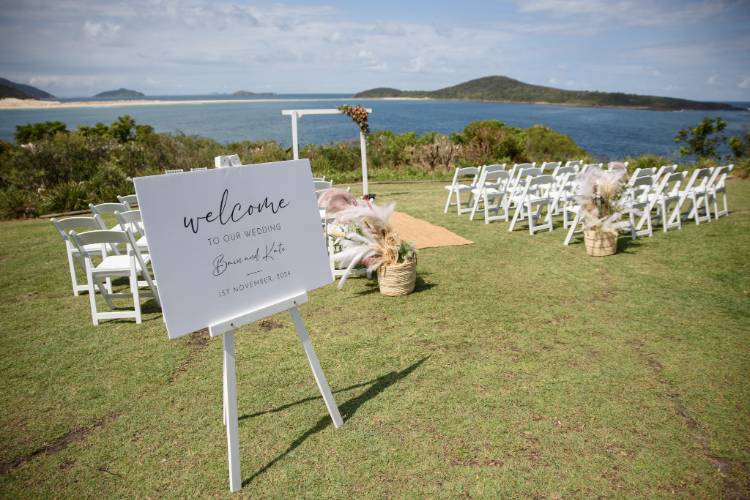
[520,367]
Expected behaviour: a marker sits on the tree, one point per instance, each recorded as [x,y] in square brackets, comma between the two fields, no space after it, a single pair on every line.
[704,139]
[38,131]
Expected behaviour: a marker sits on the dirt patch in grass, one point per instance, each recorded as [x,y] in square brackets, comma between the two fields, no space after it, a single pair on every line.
[269,324]
[197,343]
[735,475]
[73,436]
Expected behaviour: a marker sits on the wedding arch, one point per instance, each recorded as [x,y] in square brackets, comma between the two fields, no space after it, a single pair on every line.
[296,114]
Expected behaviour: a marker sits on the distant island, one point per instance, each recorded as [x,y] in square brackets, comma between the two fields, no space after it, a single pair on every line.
[119,94]
[504,89]
[15,90]
[247,93]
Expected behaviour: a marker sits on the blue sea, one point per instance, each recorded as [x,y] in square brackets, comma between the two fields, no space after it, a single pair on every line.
[606,133]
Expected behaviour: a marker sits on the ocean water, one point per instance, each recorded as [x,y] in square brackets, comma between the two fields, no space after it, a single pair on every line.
[606,133]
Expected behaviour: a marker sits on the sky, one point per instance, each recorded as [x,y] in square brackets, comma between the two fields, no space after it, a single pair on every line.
[690,49]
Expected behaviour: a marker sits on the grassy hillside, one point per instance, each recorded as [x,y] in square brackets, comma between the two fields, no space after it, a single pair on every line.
[502,88]
[21,91]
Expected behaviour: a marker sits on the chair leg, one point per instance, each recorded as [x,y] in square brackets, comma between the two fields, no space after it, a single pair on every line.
[134,291]
[572,230]
[73,278]
[92,296]
[475,206]
[516,214]
[448,201]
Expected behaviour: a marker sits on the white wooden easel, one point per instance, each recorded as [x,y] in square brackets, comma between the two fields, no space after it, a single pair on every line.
[226,328]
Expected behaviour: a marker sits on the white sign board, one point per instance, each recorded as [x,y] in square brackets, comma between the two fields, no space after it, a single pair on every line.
[225,241]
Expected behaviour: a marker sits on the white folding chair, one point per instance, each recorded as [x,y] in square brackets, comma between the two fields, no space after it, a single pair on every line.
[131,221]
[591,165]
[464,180]
[536,197]
[64,226]
[695,192]
[131,266]
[717,187]
[173,171]
[103,209]
[130,200]
[615,165]
[227,161]
[490,192]
[637,206]
[661,200]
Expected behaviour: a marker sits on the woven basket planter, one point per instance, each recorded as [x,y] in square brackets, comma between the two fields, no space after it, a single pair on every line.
[599,243]
[398,279]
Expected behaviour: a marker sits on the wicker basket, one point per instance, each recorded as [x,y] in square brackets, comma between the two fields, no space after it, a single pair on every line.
[398,279]
[600,243]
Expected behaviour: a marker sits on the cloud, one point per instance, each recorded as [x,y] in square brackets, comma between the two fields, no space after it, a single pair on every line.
[101,31]
[744,83]
[712,80]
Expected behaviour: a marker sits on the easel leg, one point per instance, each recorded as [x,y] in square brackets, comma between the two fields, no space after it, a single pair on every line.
[320,377]
[230,410]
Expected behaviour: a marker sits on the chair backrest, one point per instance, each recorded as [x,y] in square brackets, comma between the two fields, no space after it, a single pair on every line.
[669,185]
[561,171]
[64,226]
[574,163]
[227,161]
[322,185]
[715,175]
[108,208]
[541,185]
[525,172]
[465,173]
[697,180]
[665,170]
[640,189]
[550,166]
[131,221]
[173,171]
[130,200]
[617,165]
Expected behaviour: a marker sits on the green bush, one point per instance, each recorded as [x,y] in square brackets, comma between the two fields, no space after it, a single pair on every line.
[34,132]
[68,196]
[544,144]
[16,203]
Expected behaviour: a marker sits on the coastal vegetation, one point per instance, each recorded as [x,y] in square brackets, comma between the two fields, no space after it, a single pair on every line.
[51,169]
[504,89]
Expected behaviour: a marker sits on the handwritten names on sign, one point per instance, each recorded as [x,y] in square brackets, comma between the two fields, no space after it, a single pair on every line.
[224,241]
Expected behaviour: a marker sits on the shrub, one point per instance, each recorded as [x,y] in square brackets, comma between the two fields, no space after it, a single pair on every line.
[544,144]
[488,141]
[67,196]
[16,203]
[34,132]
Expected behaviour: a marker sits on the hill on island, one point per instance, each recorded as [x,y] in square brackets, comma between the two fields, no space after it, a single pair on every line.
[247,93]
[504,89]
[21,91]
[119,93]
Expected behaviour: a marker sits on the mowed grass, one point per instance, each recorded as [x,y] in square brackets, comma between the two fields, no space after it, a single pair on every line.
[520,367]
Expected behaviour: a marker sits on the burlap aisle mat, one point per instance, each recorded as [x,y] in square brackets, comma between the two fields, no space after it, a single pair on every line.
[424,234]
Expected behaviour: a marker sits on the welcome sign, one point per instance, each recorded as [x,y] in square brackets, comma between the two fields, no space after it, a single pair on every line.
[224,241]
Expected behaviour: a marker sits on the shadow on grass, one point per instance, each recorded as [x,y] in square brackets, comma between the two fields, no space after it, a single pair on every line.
[348,409]
[420,285]
[626,244]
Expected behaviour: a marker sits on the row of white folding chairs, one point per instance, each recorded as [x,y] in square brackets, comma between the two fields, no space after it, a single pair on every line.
[648,190]
[668,196]
[123,252]
[468,179]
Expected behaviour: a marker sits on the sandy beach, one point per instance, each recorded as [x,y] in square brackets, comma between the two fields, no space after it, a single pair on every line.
[10,103]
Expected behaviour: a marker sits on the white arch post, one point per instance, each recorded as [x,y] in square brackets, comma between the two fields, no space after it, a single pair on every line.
[296,114]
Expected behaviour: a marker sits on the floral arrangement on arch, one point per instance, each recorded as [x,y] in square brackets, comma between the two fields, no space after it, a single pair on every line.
[359,115]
